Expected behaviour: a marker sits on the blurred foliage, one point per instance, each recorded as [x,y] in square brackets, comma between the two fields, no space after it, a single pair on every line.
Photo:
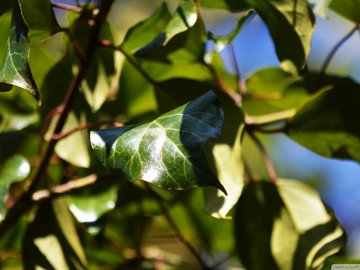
[135,159]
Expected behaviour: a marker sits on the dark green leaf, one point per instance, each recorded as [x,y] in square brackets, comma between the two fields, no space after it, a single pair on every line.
[291,25]
[233,6]
[326,123]
[167,152]
[350,9]
[14,169]
[284,227]
[40,18]
[51,240]
[14,66]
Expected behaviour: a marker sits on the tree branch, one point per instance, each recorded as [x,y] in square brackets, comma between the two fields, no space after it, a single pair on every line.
[67,7]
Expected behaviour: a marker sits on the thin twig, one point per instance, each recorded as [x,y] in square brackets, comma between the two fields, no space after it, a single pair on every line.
[335,48]
[267,160]
[69,187]
[67,7]
[63,135]
[234,63]
[175,228]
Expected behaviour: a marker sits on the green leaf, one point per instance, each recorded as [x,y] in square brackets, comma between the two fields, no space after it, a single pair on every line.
[326,123]
[14,66]
[51,240]
[291,25]
[285,226]
[167,152]
[233,6]
[14,169]
[90,207]
[146,31]
[101,75]
[40,19]
[225,159]
[222,41]
[321,7]
[347,8]
[270,79]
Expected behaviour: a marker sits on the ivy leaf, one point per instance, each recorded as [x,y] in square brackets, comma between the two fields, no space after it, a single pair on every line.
[40,19]
[14,66]
[168,152]
[285,226]
[291,25]
[14,169]
[326,124]
[347,8]
[51,240]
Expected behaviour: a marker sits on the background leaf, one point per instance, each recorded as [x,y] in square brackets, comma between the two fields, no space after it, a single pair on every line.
[51,240]
[326,124]
[347,8]
[276,227]
[14,66]
[233,6]
[291,25]
[167,152]
[40,19]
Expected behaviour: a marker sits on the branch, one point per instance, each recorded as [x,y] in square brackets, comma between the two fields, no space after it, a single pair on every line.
[270,118]
[267,160]
[67,7]
[241,86]
[67,188]
[61,136]
[24,203]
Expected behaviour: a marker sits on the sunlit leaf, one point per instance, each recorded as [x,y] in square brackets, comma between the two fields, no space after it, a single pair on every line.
[14,169]
[326,123]
[40,18]
[51,240]
[285,226]
[347,8]
[291,25]
[321,7]
[101,74]
[74,148]
[167,152]
[89,208]
[14,66]
[230,5]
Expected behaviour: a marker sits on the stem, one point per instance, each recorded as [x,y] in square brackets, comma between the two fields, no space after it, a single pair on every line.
[24,203]
[61,136]
[241,86]
[335,48]
[270,118]
[67,7]
[175,228]
[267,160]
[67,188]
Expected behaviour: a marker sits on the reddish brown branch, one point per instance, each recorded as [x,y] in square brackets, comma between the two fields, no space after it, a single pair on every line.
[67,7]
